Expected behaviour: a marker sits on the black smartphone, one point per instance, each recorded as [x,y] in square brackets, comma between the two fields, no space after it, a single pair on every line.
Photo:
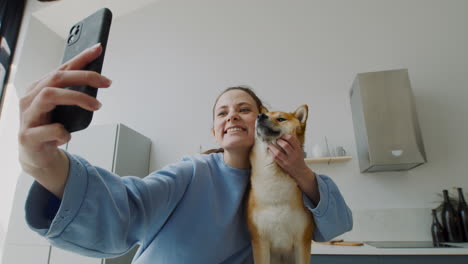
[84,34]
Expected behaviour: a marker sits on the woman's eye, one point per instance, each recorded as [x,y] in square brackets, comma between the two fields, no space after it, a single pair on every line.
[280,119]
[245,110]
[221,113]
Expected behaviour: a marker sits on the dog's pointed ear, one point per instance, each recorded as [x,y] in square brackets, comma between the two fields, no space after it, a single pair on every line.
[263,110]
[301,113]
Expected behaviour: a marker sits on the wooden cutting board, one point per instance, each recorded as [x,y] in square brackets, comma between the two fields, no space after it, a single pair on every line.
[340,243]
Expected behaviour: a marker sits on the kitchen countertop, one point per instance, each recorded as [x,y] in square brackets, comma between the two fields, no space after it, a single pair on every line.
[320,249]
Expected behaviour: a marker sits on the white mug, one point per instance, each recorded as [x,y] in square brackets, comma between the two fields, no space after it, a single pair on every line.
[317,151]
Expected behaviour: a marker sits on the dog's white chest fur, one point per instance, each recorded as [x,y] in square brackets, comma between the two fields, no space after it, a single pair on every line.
[278,216]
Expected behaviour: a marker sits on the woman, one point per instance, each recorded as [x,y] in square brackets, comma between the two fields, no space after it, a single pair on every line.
[191,211]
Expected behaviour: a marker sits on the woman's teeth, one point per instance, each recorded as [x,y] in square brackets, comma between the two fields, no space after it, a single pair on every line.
[234,129]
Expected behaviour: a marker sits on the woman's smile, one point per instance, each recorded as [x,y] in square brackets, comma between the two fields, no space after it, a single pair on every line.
[235,130]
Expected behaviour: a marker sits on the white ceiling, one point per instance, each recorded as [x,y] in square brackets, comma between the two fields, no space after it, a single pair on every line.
[61,15]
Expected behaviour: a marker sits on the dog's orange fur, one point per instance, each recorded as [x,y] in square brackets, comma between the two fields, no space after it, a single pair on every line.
[267,175]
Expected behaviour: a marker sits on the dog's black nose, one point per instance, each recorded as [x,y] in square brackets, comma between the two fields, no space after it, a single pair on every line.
[262,116]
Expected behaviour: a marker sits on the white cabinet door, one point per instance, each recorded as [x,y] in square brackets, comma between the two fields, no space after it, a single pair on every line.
[25,254]
[132,152]
[125,259]
[60,256]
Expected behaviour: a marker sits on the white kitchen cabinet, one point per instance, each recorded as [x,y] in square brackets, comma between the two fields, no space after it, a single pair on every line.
[125,259]
[116,148]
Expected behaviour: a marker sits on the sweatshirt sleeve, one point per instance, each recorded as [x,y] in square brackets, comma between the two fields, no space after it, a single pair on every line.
[102,214]
[332,216]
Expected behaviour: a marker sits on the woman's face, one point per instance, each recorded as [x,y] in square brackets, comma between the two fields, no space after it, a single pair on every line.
[234,120]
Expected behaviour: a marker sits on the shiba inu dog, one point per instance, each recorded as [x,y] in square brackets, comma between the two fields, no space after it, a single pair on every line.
[280,226]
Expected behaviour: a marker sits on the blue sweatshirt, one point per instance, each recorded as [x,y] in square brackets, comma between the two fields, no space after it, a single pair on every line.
[188,212]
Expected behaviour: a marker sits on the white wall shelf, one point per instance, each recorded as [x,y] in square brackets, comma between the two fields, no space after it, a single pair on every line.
[327,159]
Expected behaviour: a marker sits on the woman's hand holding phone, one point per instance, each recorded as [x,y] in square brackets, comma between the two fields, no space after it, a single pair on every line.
[38,137]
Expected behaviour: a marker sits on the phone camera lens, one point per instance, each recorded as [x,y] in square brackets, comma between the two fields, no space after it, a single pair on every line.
[71,39]
[72,29]
[76,30]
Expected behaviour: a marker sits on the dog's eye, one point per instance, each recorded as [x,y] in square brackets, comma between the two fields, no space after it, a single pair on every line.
[280,119]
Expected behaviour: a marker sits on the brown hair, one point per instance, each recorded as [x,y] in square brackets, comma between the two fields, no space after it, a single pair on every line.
[246,89]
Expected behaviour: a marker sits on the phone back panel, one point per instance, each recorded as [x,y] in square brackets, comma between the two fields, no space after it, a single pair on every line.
[84,34]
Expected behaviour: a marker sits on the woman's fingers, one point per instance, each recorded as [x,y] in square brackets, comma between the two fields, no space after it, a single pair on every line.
[36,136]
[285,145]
[84,58]
[75,78]
[288,154]
[39,138]
[277,153]
[76,63]
[290,142]
[46,93]
[48,98]
[69,78]
[38,145]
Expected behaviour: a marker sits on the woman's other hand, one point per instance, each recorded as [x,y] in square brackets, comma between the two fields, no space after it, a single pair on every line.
[289,155]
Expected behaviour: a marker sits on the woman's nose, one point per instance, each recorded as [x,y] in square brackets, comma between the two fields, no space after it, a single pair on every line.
[233,116]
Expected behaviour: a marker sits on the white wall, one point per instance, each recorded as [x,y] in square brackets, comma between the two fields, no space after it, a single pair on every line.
[170,60]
